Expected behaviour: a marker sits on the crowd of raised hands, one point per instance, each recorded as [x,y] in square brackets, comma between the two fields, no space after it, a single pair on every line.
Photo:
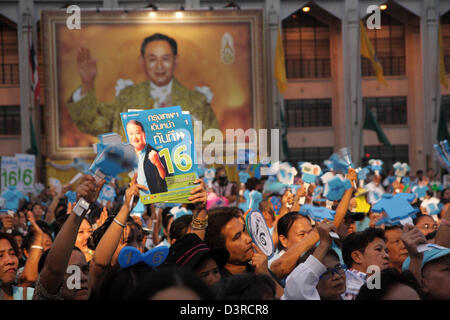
[195,251]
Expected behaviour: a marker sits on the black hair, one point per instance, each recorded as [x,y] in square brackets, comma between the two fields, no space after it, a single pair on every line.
[137,123]
[251,183]
[247,286]
[136,234]
[98,233]
[419,216]
[11,240]
[119,280]
[159,36]
[392,227]
[59,221]
[147,284]
[358,241]
[330,252]
[389,279]
[285,224]
[36,204]
[180,227]
[166,219]
[95,213]
[217,218]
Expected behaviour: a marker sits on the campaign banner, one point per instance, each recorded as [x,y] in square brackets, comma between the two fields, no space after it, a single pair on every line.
[9,172]
[163,140]
[26,164]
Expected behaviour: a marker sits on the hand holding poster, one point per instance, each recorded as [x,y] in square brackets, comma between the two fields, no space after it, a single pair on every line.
[260,233]
[163,142]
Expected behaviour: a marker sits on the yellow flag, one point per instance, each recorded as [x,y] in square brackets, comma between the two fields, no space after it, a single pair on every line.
[280,67]
[368,52]
[442,77]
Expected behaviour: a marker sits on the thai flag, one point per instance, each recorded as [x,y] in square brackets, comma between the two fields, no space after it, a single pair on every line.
[35,85]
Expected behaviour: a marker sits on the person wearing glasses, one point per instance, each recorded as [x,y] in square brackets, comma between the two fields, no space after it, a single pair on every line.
[320,276]
[426,224]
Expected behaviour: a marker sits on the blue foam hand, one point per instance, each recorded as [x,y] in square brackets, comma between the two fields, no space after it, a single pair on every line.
[80,165]
[310,172]
[420,191]
[338,163]
[255,197]
[401,169]
[272,185]
[317,213]
[376,165]
[329,164]
[336,188]
[71,196]
[396,207]
[114,159]
[317,192]
[286,173]
[130,256]
[243,176]
[107,193]
[362,173]
[244,205]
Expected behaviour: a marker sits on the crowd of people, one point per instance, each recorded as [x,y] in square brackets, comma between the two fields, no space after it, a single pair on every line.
[51,249]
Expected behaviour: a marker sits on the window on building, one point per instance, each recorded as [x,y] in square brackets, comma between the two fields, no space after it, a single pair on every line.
[306,43]
[9,53]
[9,120]
[389,155]
[445,31]
[389,45]
[388,110]
[308,113]
[313,155]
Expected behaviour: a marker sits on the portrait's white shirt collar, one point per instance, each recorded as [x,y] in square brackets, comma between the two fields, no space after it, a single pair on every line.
[160,94]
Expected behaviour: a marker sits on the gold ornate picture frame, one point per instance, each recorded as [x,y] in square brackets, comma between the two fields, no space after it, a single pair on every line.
[220,50]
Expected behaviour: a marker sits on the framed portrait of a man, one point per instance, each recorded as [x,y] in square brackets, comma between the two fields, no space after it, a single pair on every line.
[211,63]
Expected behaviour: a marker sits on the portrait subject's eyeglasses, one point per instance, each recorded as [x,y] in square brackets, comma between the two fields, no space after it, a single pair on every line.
[331,271]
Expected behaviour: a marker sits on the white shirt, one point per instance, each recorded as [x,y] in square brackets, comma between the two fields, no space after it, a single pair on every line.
[302,281]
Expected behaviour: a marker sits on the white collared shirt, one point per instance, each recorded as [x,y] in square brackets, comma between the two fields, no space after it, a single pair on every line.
[160,94]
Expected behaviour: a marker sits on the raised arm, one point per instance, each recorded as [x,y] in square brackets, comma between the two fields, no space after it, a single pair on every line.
[412,237]
[286,200]
[200,219]
[301,284]
[287,262]
[55,266]
[30,271]
[110,240]
[342,207]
